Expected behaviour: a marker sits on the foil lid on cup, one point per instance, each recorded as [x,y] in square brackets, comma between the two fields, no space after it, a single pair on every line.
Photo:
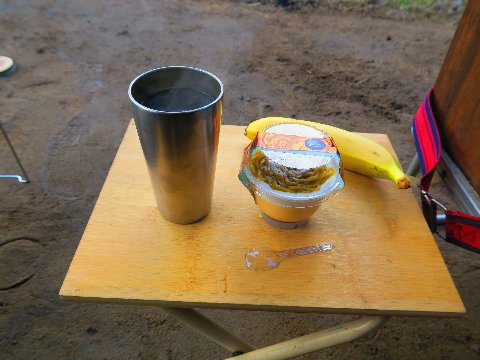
[292,165]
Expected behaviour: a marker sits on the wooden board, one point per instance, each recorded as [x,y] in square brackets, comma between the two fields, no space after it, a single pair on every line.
[457,96]
[385,261]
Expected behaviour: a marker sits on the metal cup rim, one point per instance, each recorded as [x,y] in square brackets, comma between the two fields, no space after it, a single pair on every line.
[218,98]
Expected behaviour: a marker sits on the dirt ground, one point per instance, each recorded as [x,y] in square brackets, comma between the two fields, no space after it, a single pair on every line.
[66,109]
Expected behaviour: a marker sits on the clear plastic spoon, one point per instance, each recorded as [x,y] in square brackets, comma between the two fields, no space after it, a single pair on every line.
[267,259]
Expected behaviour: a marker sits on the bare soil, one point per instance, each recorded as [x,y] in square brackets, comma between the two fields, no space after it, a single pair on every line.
[66,110]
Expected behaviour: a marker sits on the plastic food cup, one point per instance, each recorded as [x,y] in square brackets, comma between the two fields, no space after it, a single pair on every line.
[286,209]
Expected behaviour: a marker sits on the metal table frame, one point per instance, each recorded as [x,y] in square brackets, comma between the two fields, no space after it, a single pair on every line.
[302,345]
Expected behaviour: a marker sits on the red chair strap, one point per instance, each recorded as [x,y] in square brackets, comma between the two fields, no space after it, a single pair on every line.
[461,229]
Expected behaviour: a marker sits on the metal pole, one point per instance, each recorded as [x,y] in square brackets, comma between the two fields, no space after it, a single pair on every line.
[208,328]
[414,166]
[21,179]
[465,195]
[319,340]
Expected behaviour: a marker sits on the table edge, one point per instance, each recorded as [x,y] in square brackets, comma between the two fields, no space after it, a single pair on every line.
[266,307]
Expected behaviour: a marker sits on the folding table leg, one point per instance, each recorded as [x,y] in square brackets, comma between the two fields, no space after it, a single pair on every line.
[319,340]
[285,350]
[208,328]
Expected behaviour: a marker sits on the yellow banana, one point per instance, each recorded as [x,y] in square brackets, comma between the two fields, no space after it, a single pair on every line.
[358,153]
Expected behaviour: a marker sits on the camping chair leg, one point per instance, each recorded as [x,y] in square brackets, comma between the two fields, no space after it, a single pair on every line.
[441,219]
[21,178]
[414,166]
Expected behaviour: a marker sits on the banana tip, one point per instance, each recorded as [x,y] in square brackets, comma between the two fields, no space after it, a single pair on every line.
[403,183]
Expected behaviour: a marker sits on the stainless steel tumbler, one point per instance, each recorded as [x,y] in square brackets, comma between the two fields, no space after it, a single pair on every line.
[178,113]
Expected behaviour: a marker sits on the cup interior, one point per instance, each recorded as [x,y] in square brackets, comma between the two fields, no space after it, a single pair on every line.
[156,81]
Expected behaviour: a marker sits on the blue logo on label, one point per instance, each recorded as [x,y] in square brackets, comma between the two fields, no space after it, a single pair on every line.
[315,144]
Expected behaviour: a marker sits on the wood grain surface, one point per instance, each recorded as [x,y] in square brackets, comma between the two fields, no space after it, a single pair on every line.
[457,95]
[385,260]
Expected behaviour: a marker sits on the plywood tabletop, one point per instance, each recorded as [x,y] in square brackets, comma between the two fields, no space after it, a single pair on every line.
[385,260]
